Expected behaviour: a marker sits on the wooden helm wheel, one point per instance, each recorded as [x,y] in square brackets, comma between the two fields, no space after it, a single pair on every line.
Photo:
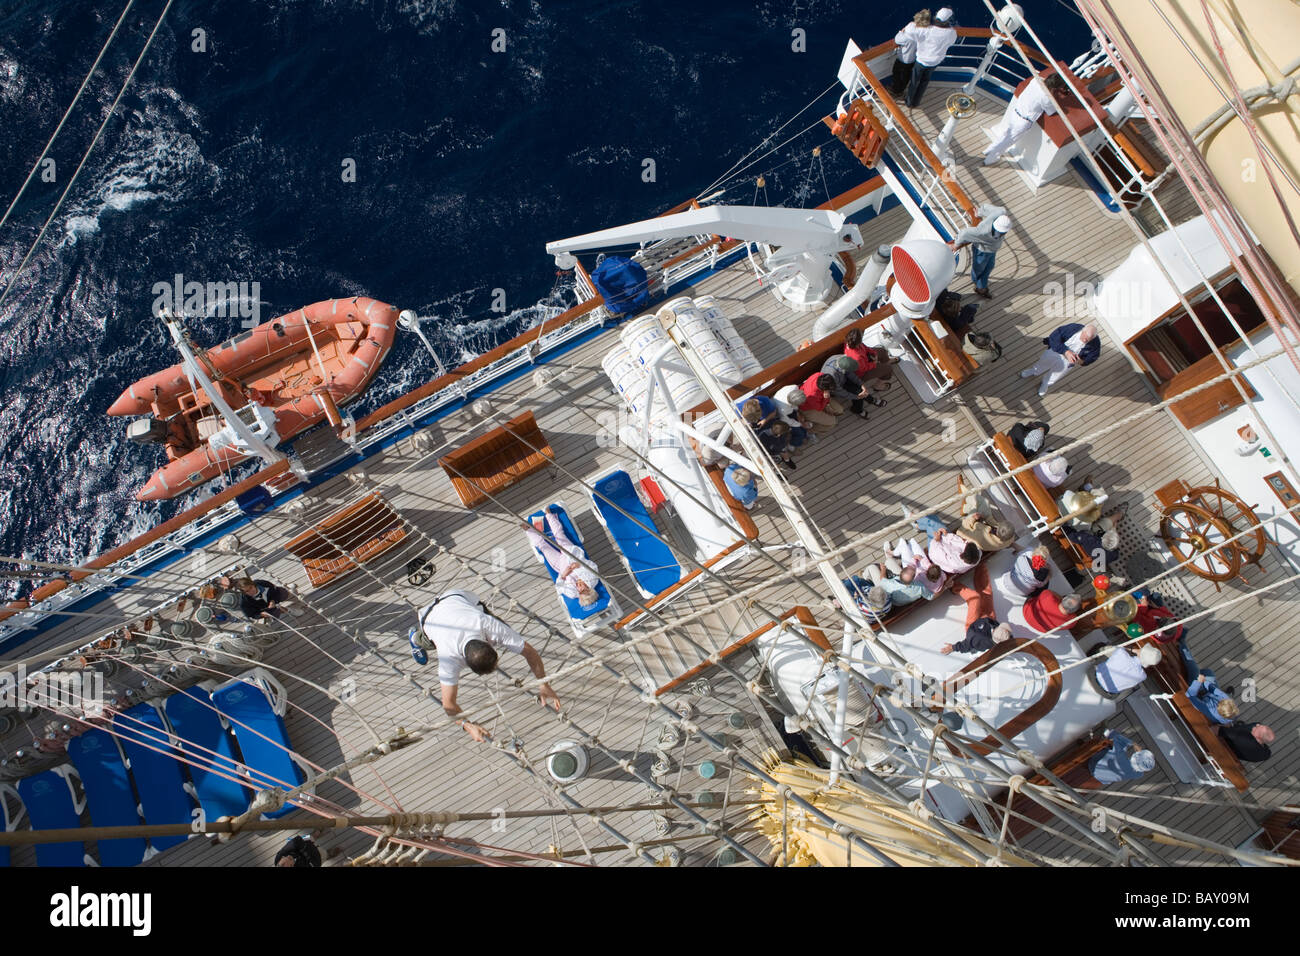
[1237,515]
[1196,536]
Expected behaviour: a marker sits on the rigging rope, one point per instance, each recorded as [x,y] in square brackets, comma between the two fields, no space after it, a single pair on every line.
[77,172]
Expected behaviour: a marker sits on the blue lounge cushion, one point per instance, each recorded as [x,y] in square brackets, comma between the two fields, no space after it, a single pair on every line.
[50,807]
[253,719]
[576,611]
[212,751]
[157,770]
[108,794]
[650,560]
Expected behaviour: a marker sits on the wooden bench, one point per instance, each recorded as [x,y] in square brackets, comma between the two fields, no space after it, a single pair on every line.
[1042,500]
[347,539]
[495,461]
[1172,677]
[945,349]
[739,513]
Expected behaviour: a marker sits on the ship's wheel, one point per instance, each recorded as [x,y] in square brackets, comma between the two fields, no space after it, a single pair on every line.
[1197,528]
[1198,537]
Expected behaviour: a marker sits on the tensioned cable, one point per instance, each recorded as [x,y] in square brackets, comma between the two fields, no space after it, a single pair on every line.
[89,149]
[66,113]
[766,139]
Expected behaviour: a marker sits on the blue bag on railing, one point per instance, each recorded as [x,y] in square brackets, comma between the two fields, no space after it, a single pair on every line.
[622,284]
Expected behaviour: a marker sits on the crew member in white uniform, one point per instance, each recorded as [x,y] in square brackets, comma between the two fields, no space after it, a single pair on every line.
[1040,97]
[466,634]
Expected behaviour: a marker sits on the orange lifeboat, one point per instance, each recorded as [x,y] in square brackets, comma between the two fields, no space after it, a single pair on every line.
[281,378]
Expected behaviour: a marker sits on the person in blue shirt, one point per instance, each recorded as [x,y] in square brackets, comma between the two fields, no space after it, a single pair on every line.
[762,412]
[1212,700]
[1123,760]
[741,484]
[904,588]
[1069,346]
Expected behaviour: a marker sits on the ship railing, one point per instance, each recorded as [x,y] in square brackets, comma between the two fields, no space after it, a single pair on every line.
[180,542]
[1203,768]
[939,379]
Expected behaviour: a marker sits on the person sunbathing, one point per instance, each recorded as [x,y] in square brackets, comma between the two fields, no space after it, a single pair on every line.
[572,579]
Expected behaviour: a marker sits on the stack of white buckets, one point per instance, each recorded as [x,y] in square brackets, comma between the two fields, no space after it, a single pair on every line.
[710,334]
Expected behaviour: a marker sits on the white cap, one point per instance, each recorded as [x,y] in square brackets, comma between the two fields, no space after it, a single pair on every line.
[1056,468]
[1144,761]
[944,15]
[1001,633]
[1002,223]
[1150,655]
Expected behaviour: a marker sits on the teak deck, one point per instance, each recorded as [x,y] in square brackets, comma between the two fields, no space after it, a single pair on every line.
[854,482]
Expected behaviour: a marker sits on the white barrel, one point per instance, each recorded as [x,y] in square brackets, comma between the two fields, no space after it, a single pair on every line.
[646,340]
[746,363]
[628,378]
[695,328]
[644,336]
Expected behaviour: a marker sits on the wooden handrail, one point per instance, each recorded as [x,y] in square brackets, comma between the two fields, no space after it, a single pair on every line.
[152,535]
[651,603]
[1030,715]
[799,612]
[723,654]
[869,185]
[798,366]
[474,364]
[906,126]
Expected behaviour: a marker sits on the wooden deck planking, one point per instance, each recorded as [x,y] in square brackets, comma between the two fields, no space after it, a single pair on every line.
[853,482]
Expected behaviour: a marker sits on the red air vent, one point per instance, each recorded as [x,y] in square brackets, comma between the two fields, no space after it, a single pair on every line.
[910,277]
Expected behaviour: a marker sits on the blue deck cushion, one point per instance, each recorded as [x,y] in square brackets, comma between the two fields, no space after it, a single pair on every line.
[253,719]
[108,794]
[157,770]
[648,558]
[576,611]
[50,807]
[212,751]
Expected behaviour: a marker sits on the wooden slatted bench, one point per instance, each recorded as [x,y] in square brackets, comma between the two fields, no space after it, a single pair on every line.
[1041,499]
[739,513]
[347,539]
[945,349]
[496,460]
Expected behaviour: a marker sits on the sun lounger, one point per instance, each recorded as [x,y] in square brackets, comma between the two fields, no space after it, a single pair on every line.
[201,734]
[648,559]
[254,704]
[165,791]
[12,812]
[582,618]
[107,784]
[52,804]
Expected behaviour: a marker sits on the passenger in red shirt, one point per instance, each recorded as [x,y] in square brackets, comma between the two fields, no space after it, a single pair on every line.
[1045,611]
[875,366]
[818,407]
[1152,615]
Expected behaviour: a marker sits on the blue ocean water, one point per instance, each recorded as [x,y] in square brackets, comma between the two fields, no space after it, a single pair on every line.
[225,164]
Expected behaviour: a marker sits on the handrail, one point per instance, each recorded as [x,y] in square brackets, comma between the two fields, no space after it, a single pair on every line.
[913,135]
[1030,715]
